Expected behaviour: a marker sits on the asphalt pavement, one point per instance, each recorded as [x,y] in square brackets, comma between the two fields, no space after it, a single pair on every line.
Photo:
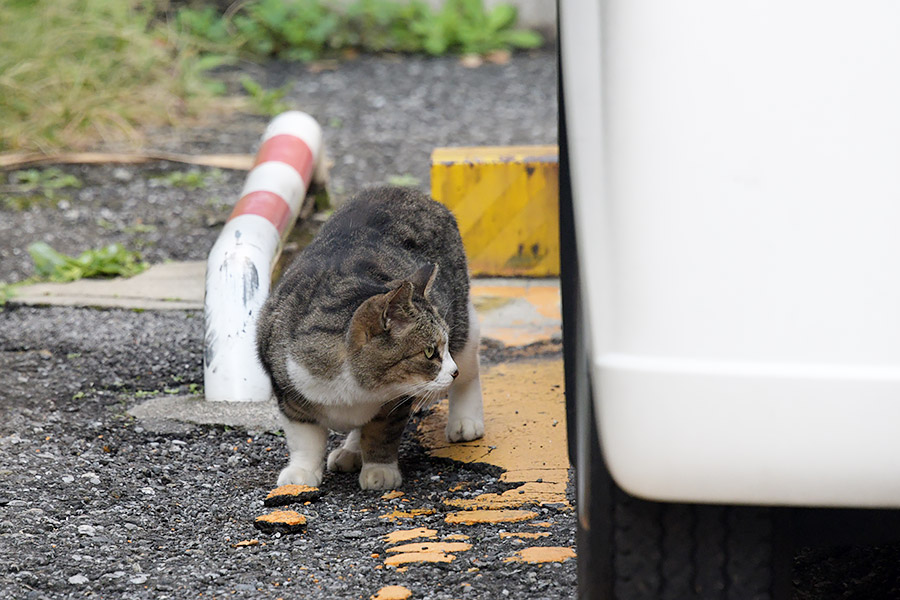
[100,499]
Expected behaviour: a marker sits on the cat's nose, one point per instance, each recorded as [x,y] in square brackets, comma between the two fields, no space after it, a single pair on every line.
[455,373]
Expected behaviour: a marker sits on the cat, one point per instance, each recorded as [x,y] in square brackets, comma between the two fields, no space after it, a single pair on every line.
[373,316]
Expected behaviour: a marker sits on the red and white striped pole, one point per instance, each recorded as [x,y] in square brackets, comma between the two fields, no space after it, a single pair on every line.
[239,267]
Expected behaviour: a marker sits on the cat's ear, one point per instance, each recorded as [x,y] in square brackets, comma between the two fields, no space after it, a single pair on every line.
[397,306]
[423,279]
[380,313]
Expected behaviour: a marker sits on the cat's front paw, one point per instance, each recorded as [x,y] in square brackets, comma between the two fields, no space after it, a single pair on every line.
[344,461]
[299,476]
[464,430]
[380,477]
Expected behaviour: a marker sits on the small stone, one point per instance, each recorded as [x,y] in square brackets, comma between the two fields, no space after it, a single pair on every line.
[78,579]
[67,479]
[121,174]
[139,579]
[148,490]
[87,530]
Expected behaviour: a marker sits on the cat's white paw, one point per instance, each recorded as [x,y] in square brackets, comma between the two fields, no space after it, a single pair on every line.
[293,475]
[344,461]
[464,429]
[380,477]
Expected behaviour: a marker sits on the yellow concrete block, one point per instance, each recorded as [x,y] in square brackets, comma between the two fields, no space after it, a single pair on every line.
[506,203]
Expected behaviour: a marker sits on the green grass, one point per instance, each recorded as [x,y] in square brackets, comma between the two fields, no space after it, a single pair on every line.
[311,29]
[75,71]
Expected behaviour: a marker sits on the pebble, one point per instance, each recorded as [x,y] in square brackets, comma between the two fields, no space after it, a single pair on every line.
[87,530]
[78,579]
[138,579]
[121,174]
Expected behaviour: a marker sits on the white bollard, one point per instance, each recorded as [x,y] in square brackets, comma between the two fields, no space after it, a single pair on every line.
[239,267]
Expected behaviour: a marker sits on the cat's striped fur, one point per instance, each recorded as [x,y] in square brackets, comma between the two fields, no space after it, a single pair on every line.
[373,316]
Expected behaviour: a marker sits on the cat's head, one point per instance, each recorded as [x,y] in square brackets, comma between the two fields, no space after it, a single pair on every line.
[397,340]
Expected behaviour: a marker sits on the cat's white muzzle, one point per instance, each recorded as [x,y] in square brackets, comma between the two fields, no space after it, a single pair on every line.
[448,372]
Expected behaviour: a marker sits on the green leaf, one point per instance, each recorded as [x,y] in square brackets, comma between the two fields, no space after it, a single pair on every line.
[522,38]
[503,16]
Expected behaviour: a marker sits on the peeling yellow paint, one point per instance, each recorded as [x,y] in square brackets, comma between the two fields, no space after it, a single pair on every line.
[391,495]
[541,524]
[392,592]
[506,202]
[472,517]
[410,514]
[431,547]
[542,554]
[525,434]
[536,302]
[412,557]
[403,535]
[456,536]
[525,535]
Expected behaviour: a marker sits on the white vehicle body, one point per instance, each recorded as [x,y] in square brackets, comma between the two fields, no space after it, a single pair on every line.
[736,174]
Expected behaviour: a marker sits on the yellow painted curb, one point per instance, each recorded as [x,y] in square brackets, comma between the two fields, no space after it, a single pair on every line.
[506,203]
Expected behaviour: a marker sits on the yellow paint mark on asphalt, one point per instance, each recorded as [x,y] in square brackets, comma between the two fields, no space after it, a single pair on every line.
[392,592]
[525,434]
[456,536]
[403,535]
[525,535]
[473,517]
[410,514]
[542,554]
[431,547]
[506,204]
[391,495]
[414,557]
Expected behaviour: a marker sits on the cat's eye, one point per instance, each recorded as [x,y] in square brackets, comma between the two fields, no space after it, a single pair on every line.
[429,352]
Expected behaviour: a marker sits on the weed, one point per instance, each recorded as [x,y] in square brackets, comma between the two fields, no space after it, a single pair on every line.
[110,261]
[72,71]
[405,180]
[310,29]
[193,179]
[266,102]
[36,187]
[195,389]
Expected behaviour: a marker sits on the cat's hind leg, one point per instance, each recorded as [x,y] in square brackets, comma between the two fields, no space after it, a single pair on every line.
[379,441]
[347,457]
[466,417]
[306,443]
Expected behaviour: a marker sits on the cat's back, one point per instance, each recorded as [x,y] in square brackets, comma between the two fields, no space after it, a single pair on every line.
[383,234]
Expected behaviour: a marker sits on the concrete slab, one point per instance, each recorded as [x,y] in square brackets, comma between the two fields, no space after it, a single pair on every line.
[168,286]
[160,414]
[516,312]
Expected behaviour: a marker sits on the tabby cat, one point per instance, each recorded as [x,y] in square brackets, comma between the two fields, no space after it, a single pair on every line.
[371,318]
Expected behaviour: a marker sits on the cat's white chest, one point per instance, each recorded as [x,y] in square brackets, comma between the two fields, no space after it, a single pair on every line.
[342,404]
